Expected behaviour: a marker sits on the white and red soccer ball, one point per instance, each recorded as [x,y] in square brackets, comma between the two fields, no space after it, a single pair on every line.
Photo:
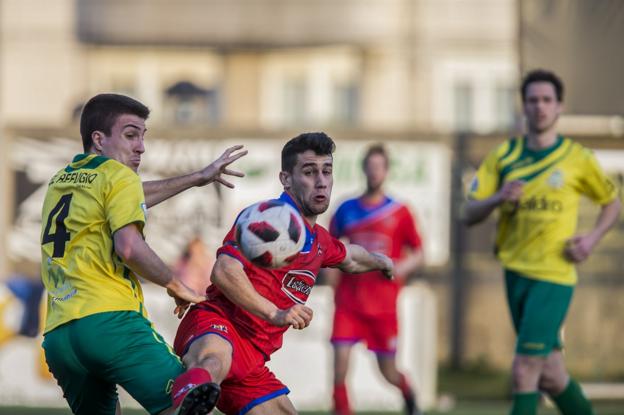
[271,233]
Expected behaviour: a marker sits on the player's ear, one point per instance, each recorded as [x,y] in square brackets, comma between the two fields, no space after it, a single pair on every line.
[286,179]
[97,137]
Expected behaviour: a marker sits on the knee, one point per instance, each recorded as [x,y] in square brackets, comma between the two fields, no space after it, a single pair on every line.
[526,372]
[547,384]
[552,382]
[213,363]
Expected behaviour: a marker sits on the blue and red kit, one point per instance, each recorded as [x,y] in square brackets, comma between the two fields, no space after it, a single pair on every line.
[253,339]
[366,303]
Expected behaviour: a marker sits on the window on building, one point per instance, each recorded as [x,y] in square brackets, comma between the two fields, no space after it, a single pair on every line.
[463,106]
[504,107]
[345,105]
[187,103]
[295,97]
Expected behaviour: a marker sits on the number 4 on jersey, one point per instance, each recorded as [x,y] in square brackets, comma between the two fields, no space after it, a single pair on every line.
[60,235]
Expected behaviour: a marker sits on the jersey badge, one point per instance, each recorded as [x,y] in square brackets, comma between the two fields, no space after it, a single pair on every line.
[297,285]
[555,180]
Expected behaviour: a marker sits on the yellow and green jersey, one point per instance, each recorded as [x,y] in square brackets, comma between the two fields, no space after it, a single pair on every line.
[85,204]
[532,233]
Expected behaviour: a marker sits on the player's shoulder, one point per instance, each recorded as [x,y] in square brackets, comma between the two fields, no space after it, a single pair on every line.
[507,147]
[347,205]
[113,167]
[577,151]
[321,231]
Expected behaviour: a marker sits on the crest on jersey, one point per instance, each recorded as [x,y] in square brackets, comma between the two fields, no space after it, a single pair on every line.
[297,285]
[474,185]
[555,180]
[219,327]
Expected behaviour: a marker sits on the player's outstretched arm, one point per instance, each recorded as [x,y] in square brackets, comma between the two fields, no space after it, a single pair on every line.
[359,260]
[229,276]
[141,259]
[157,191]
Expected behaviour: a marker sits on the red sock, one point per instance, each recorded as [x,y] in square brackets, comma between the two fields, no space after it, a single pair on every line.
[341,400]
[187,381]
[405,387]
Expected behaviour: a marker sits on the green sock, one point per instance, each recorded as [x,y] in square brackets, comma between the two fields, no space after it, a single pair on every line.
[572,401]
[524,403]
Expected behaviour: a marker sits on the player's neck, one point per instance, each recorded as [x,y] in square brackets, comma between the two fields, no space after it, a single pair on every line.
[541,140]
[311,220]
[373,196]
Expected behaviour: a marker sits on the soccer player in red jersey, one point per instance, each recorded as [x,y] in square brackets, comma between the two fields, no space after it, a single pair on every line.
[366,304]
[228,338]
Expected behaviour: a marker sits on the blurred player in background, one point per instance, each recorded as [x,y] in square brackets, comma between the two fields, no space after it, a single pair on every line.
[228,338]
[366,305]
[21,294]
[536,182]
[97,334]
[194,266]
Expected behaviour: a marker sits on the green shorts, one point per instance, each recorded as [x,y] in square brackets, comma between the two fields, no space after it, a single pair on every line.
[538,309]
[90,356]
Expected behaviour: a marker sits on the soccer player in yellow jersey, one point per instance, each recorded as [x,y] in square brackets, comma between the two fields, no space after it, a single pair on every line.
[536,182]
[97,334]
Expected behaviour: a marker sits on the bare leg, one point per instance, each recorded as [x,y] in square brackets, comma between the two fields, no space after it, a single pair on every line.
[213,354]
[526,372]
[280,405]
[389,370]
[342,353]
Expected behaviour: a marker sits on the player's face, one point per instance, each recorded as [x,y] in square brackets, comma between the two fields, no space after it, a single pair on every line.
[125,143]
[376,171]
[310,182]
[541,106]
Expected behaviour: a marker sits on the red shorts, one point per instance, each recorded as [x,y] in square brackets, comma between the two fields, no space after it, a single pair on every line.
[249,382]
[379,332]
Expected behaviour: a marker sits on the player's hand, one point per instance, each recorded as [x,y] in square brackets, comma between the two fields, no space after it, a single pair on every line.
[579,247]
[183,296]
[181,306]
[511,191]
[386,265]
[298,316]
[214,171]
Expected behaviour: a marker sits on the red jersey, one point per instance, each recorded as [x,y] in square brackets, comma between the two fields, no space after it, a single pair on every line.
[284,286]
[387,227]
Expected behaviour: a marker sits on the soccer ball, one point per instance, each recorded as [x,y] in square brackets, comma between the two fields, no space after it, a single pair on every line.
[270,233]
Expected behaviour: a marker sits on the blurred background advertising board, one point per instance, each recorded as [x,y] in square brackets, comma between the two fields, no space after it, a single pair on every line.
[419,177]
[169,226]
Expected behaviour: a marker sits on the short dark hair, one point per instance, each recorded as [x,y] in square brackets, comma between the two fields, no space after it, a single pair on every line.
[320,143]
[101,112]
[375,149]
[542,75]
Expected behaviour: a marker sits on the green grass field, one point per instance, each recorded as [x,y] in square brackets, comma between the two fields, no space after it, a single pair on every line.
[477,390]
[468,408]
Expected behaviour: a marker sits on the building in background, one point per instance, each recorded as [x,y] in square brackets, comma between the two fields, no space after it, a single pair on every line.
[272,64]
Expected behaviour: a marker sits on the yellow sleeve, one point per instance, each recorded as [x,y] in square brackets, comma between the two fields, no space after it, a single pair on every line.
[595,184]
[124,200]
[486,181]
